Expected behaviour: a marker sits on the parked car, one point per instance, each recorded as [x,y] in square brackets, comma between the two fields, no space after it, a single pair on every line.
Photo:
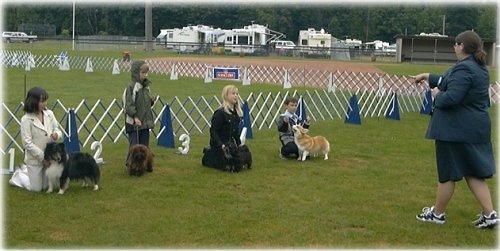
[16,36]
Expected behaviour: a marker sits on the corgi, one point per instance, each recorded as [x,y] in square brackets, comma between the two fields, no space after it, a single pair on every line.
[309,144]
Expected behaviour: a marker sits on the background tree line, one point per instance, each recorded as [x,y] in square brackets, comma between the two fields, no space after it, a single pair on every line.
[366,23]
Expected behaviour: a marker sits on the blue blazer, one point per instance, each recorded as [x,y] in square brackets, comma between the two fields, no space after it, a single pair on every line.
[461,108]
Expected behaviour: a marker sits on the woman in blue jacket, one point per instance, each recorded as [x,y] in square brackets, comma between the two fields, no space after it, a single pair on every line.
[461,127]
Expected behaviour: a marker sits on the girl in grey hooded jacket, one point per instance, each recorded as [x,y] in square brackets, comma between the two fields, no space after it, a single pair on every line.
[138,103]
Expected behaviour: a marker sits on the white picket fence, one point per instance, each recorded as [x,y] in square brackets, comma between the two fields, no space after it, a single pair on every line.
[295,77]
[103,121]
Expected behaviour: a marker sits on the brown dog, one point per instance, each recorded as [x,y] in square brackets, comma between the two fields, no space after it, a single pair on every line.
[308,144]
[139,160]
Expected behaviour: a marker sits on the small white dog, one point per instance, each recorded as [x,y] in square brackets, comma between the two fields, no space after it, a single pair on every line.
[309,144]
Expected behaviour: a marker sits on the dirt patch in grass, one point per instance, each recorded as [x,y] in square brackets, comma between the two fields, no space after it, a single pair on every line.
[60,236]
[287,63]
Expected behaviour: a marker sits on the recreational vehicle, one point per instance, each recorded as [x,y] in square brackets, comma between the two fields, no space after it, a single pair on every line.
[162,37]
[191,38]
[378,47]
[353,43]
[251,39]
[313,42]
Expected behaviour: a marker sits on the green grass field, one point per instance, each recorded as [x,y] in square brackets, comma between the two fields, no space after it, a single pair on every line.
[379,176]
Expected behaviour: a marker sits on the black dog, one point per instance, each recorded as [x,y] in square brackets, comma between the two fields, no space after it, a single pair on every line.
[237,158]
[77,165]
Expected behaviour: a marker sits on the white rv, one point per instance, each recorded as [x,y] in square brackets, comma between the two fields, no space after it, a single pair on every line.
[162,37]
[313,42]
[191,38]
[353,43]
[378,47]
[251,39]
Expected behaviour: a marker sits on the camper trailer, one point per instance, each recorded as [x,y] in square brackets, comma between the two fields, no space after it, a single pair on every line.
[162,36]
[313,42]
[191,38]
[378,47]
[353,43]
[251,39]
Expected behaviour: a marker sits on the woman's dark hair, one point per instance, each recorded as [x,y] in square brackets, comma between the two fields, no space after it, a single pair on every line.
[34,96]
[472,45]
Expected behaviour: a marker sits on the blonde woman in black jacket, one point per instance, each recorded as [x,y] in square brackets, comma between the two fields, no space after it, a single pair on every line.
[224,127]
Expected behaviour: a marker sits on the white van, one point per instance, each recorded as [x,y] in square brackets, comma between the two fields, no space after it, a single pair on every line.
[284,44]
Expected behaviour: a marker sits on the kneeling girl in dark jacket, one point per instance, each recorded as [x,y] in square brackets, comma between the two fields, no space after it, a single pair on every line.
[224,127]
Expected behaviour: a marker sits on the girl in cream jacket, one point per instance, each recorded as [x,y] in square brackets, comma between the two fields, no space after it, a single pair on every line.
[38,127]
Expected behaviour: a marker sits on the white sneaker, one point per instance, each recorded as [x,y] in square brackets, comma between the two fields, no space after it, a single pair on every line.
[484,221]
[428,215]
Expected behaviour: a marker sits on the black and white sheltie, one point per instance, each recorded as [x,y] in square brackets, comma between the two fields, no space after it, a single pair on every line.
[54,159]
[64,167]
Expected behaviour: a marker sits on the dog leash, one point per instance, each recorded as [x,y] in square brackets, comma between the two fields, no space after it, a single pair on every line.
[137,134]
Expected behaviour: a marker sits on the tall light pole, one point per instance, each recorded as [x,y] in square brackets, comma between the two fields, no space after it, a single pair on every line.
[73,39]
[367,24]
[96,26]
[444,23]
[148,27]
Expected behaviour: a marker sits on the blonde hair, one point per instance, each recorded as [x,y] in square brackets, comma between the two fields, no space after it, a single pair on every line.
[144,67]
[226,104]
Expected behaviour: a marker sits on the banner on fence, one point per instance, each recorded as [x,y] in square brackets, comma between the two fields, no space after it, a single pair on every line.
[14,61]
[27,66]
[301,111]
[286,81]
[116,67]
[352,116]
[393,109]
[246,121]
[246,77]
[64,65]
[63,61]
[89,67]
[71,140]
[426,103]
[331,83]
[381,88]
[30,63]
[207,79]
[226,73]
[173,73]
[166,135]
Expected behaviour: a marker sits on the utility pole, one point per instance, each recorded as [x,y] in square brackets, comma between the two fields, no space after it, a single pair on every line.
[444,23]
[148,29]
[367,24]
[96,27]
[73,37]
